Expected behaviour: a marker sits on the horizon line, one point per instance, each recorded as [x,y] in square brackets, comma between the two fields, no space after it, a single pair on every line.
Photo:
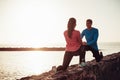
[33,49]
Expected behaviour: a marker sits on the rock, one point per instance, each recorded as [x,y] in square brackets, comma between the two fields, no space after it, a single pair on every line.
[107,69]
[25,78]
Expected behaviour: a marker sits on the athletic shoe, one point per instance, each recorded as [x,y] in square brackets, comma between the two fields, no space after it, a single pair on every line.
[101,55]
[82,64]
[54,69]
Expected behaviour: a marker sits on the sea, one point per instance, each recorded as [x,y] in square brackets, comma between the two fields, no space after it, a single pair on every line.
[17,64]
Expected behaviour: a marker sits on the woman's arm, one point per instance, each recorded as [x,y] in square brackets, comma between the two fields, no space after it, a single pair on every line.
[79,38]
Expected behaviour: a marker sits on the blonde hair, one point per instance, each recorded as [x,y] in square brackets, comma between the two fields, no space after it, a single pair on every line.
[71,26]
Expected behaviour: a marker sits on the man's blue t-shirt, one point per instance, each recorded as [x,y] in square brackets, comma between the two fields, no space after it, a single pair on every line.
[91,37]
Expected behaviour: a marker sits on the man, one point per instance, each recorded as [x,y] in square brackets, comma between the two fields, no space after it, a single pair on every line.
[91,35]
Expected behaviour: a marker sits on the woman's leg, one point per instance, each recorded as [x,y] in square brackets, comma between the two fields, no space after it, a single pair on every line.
[67,58]
[66,61]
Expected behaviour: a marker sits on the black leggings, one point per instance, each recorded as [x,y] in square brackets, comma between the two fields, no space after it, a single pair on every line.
[95,53]
[68,56]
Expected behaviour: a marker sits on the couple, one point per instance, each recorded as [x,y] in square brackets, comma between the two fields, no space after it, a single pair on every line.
[75,46]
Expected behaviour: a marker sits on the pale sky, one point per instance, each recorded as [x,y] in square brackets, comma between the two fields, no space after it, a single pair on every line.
[42,22]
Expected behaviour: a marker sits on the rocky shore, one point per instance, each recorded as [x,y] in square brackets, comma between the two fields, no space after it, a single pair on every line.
[107,69]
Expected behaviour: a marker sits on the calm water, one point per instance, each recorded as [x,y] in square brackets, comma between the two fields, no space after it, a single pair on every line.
[14,65]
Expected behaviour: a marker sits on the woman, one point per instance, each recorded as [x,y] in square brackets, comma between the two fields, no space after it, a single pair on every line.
[73,44]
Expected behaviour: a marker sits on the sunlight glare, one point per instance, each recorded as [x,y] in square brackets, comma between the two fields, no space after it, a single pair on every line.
[33,23]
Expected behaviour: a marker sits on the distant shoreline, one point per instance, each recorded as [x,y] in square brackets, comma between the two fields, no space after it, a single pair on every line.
[33,49]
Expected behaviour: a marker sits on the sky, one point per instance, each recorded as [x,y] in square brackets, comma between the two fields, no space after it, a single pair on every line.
[39,23]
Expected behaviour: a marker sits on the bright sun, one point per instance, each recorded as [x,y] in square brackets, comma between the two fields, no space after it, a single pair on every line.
[34,24]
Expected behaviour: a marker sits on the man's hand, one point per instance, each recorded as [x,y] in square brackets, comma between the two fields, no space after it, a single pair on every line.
[84,43]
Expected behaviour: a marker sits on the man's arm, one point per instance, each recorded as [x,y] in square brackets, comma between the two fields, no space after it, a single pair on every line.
[82,34]
[95,38]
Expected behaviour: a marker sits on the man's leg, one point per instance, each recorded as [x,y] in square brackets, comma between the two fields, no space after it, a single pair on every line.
[95,53]
[82,54]
[82,57]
